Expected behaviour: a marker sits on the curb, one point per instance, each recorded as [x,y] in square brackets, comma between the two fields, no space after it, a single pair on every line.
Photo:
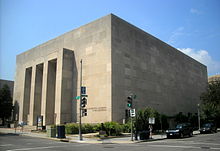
[99,141]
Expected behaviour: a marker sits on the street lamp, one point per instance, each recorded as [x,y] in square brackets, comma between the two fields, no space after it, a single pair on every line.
[198,115]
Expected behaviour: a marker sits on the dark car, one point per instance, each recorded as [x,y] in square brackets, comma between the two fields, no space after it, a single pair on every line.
[208,128]
[181,130]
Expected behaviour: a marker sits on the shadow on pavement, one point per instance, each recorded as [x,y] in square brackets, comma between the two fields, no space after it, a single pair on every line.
[8,134]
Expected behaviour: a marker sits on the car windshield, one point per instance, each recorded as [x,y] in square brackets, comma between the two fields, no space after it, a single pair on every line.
[179,126]
[207,125]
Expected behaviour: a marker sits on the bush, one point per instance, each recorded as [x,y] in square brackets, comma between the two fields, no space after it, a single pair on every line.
[72,128]
[126,128]
[87,128]
[97,127]
[113,128]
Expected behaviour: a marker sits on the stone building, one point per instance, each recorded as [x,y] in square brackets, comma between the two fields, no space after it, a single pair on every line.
[214,78]
[118,59]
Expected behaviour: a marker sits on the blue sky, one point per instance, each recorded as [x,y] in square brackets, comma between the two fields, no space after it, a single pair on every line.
[192,26]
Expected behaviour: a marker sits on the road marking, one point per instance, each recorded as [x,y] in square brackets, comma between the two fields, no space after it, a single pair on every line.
[35,148]
[169,146]
[203,143]
[6,145]
[192,147]
[192,142]
[39,148]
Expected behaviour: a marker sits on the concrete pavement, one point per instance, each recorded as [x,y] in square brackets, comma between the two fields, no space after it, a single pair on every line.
[86,137]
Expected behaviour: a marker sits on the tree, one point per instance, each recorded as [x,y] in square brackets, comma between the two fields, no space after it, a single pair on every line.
[210,107]
[5,103]
[141,121]
[180,118]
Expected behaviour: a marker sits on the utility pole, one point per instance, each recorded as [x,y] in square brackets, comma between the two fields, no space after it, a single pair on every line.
[132,139]
[80,108]
[132,110]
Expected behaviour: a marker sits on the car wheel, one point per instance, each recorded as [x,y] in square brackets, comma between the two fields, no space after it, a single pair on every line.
[190,134]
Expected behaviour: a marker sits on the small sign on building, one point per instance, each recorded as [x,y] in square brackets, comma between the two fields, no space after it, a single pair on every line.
[39,122]
[152,120]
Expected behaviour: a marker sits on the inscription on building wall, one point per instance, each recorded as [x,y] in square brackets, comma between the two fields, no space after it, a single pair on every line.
[97,109]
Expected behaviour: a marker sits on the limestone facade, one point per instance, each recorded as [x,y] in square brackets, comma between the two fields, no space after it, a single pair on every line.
[214,78]
[118,59]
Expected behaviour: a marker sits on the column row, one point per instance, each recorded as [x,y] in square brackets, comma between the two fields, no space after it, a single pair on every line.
[39,93]
[48,91]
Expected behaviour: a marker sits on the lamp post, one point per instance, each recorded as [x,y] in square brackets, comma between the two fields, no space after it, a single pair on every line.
[198,115]
[80,107]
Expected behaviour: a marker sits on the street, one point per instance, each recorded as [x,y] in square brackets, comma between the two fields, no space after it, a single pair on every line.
[12,142]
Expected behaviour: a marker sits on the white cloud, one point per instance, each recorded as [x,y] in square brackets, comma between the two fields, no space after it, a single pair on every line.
[195,11]
[175,34]
[203,56]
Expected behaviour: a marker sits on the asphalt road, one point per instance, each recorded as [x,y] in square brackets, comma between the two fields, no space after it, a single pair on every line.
[11,142]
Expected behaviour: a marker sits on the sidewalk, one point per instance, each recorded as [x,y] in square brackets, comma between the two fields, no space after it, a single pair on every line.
[117,140]
[86,137]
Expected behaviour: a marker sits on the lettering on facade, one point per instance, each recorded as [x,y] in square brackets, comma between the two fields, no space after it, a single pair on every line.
[97,109]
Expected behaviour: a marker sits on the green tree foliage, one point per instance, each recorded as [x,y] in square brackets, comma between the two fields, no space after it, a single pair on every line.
[73,128]
[190,118]
[5,103]
[164,122]
[141,121]
[180,118]
[113,128]
[210,108]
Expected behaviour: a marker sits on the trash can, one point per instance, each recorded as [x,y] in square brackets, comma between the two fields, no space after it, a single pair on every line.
[144,135]
[61,131]
[51,131]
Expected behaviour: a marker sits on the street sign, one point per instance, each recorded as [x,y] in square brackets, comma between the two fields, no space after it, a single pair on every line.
[83,90]
[132,112]
[151,120]
[77,97]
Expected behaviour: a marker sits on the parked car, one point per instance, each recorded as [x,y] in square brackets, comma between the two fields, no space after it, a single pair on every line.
[208,128]
[181,130]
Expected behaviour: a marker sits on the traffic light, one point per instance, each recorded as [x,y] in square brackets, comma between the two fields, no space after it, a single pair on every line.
[129,102]
[84,102]
[84,112]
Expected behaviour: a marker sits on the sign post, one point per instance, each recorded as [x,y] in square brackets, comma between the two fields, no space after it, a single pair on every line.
[151,122]
[80,108]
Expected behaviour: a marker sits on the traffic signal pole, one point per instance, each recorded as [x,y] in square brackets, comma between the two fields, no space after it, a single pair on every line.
[80,108]
[130,105]
[132,139]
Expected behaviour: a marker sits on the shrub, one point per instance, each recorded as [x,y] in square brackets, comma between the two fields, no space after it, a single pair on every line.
[113,128]
[97,127]
[87,128]
[126,128]
[72,128]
